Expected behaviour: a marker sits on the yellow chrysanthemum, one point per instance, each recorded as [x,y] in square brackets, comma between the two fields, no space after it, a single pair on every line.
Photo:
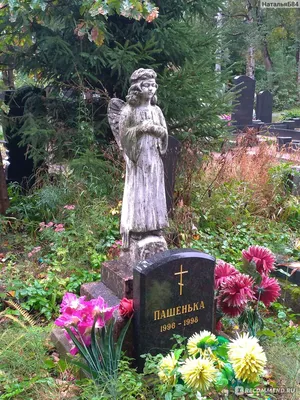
[247,358]
[198,373]
[192,344]
[167,366]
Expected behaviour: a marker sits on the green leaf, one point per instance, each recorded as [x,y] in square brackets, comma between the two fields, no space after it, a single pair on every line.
[168,396]
[221,381]
[281,315]
[49,364]
[266,332]
[82,350]
[121,340]
[222,339]
[228,371]
[222,351]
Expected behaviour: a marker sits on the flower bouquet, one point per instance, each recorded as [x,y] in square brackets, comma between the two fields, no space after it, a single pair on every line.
[89,325]
[241,295]
[209,363]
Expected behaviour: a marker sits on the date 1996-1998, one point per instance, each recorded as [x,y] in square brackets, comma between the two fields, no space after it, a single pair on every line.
[172,325]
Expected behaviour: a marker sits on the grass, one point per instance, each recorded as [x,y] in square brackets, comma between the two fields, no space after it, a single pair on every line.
[29,368]
[284,360]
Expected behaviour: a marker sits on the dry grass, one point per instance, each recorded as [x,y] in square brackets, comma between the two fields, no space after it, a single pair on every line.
[222,189]
[250,167]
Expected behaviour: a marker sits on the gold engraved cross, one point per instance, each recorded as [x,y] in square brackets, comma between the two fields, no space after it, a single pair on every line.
[180,283]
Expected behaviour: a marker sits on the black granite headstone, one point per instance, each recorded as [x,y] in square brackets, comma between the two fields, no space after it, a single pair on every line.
[297,122]
[21,167]
[170,163]
[243,105]
[173,294]
[264,103]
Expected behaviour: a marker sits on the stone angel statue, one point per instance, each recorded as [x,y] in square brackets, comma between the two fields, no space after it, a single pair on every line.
[141,133]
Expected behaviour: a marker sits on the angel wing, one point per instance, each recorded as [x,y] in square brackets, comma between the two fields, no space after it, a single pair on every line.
[114,111]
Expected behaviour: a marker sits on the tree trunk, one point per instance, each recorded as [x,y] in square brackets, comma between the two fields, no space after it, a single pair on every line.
[250,60]
[267,59]
[4,202]
[250,65]
[218,67]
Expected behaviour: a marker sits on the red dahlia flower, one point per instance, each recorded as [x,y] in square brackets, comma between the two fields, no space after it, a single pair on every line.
[237,290]
[126,308]
[262,257]
[219,326]
[268,290]
[228,310]
[222,271]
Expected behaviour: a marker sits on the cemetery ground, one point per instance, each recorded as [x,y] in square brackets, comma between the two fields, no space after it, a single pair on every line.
[57,237]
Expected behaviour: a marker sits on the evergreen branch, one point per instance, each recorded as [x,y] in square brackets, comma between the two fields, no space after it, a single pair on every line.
[183,124]
[236,16]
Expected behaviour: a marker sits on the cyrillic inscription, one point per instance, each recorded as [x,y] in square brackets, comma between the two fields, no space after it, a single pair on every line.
[179,310]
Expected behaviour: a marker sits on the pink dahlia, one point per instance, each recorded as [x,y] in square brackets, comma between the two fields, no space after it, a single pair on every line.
[262,258]
[237,290]
[268,290]
[222,271]
[229,310]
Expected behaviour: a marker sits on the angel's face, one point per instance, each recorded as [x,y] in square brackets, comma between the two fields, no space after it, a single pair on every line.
[149,88]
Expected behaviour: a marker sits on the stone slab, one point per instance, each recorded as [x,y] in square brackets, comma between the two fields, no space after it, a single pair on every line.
[297,122]
[290,124]
[284,142]
[117,275]
[295,135]
[61,343]
[290,269]
[95,289]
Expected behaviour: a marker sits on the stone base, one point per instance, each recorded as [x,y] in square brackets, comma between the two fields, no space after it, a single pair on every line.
[60,342]
[145,248]
[117,276]
[95,289]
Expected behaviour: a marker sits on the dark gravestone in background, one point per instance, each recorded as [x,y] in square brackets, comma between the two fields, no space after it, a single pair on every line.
[264,103]
[21,167]
[243,104]
[173,294]
[170,163]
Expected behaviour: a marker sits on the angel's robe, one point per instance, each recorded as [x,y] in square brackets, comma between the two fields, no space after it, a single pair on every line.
[144,206]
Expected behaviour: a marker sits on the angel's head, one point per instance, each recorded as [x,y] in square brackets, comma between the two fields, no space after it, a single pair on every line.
[143,84]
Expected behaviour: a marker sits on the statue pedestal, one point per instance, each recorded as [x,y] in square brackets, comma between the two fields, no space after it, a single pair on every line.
[117,274]
[145,248]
